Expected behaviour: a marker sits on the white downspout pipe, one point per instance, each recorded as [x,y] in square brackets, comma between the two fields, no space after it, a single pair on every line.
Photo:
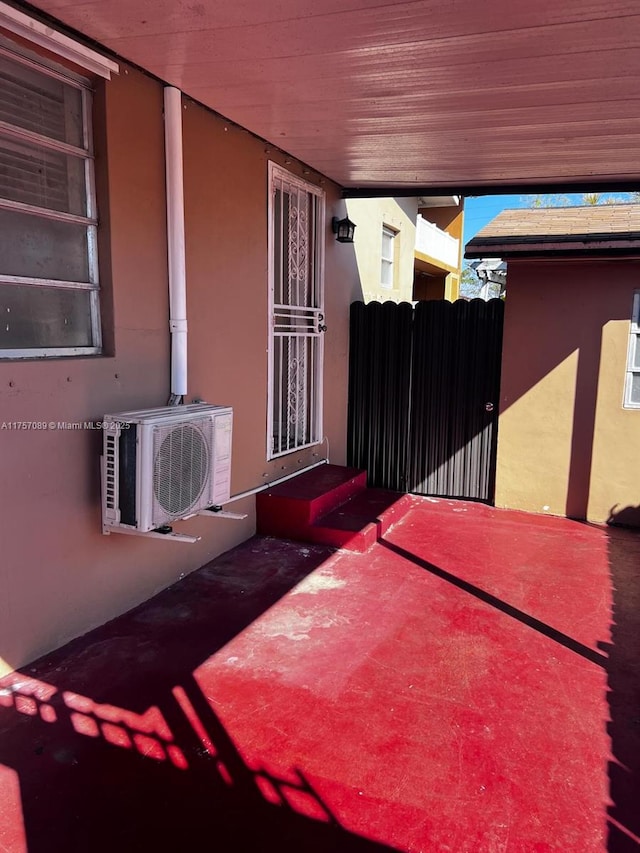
[175,240]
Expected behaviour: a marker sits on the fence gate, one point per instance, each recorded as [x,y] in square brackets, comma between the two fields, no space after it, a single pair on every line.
[423,396]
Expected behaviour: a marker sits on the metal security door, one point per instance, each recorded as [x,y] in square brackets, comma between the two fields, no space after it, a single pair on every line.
[296,223]
[423,396]
[455,386]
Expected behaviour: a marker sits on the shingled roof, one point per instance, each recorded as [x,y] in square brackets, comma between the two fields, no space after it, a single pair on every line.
[584,230]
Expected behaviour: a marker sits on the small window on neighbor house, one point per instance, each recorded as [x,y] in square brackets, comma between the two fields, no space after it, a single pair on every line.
[387,261]
[48,257]
[632,383]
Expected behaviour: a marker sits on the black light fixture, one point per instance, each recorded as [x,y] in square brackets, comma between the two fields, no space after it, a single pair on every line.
[343,229]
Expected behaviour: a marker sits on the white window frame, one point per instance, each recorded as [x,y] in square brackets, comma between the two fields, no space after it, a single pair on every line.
[633,349]
[86,154]
[297,321]
[389,261]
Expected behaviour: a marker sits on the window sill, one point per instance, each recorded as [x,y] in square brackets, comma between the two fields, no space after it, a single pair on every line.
[49,354]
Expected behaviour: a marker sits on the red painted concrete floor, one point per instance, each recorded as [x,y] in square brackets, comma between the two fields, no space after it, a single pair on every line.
[471,684]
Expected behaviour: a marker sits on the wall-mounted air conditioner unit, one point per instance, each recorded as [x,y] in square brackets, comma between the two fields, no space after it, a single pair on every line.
[163,465]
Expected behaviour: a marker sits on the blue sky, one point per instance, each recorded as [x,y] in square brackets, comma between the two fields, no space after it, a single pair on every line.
[478,211]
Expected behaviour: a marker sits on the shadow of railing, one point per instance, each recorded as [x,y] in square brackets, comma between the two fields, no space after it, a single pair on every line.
[482,595]
[116,747]
[624,682]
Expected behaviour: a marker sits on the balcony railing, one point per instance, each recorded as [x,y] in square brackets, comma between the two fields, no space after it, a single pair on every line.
[433,241]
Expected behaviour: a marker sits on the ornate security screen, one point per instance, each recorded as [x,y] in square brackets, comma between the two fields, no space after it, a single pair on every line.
[296,228]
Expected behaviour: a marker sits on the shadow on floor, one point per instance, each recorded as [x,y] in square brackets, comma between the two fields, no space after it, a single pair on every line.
[624,684]
[481,594]
[620,659]
[115,746]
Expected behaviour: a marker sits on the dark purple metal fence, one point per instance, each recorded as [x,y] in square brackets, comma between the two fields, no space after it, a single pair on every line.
[423,396]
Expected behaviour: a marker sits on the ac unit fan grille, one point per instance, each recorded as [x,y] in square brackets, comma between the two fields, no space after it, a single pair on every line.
[181,468]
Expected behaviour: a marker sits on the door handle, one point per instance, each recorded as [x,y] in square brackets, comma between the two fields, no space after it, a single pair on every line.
[488,407]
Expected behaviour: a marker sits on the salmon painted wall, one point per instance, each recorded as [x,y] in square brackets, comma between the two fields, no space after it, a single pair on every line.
[566,445]
[227,267]
[59,576]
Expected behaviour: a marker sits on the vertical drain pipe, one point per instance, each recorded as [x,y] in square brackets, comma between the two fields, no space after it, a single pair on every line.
[175,242]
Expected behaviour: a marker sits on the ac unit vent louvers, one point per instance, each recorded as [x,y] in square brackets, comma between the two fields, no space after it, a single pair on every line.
[110,461]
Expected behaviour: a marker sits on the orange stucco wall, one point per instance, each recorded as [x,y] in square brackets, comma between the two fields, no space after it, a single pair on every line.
[566,445]
[59,576]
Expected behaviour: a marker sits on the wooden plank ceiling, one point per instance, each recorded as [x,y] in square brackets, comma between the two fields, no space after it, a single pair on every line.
[395,94]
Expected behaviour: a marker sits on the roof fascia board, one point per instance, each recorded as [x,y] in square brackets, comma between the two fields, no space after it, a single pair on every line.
[404,191]
[33,30]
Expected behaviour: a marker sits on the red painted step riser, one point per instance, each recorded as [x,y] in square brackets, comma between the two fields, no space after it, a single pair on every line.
[344,516]
[310,510]
[281,516]
[329,501]
[286,515]
[359,541]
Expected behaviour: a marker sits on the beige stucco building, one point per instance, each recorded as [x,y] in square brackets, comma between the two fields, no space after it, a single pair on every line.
[569,427]
[408,249]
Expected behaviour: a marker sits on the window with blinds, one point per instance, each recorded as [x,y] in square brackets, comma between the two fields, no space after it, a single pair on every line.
[632,381]
[48,261]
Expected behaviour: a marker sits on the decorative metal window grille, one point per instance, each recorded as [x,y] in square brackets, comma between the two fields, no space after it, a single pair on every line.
[48,264]
[296,291]
[632,383]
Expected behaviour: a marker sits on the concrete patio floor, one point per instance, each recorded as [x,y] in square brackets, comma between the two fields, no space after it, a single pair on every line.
[470,685]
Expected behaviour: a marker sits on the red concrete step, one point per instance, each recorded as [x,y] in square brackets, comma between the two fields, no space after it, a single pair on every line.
[329,505]
[361,521]
[288,510]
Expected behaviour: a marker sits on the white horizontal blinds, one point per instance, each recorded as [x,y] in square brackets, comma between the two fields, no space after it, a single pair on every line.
[43,105]
[47,211]
[296,315]
[41,123]
[632,384]
[42,178]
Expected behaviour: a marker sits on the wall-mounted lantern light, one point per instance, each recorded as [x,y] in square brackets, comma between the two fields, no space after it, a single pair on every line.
[343,229]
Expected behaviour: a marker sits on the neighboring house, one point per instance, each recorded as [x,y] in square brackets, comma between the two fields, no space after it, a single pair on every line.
[569,427]
[438,253]
[408,248]
[492,275]
[384,244]
[85,331]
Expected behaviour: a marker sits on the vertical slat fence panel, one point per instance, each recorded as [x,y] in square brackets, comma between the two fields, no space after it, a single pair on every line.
[380,372]
[420,382]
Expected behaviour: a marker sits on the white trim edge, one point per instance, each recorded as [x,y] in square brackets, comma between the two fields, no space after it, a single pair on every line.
[35,31]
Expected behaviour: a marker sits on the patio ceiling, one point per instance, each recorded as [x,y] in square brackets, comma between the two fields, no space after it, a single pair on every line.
[392,95]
